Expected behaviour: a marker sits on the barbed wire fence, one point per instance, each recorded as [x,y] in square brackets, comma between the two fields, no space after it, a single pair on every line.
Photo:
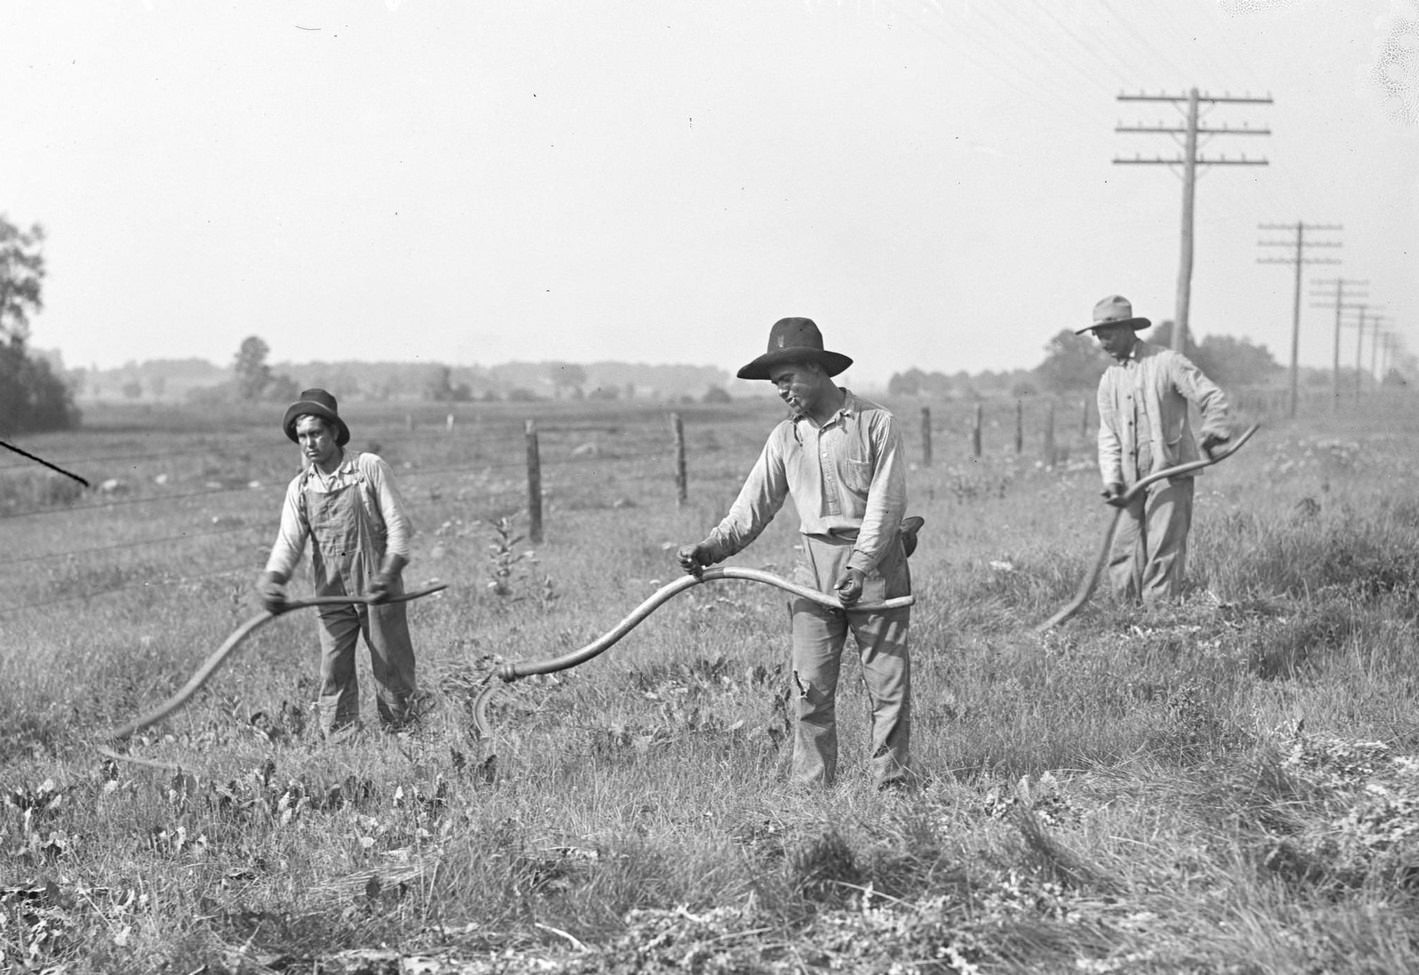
[497,470]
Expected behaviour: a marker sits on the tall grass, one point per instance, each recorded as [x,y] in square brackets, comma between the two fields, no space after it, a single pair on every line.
[1222,785]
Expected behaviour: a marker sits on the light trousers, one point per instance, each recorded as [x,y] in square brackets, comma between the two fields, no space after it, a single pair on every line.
[1149,554]
[819,637]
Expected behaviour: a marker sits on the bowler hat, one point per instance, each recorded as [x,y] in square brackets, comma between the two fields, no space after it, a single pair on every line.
[794,340]
[1114,310]
[316,402]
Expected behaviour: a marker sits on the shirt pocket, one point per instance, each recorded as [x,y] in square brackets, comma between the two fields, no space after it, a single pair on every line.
[857,475]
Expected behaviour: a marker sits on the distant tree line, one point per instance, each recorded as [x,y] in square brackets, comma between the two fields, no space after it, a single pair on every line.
[1073,364]
[253,378]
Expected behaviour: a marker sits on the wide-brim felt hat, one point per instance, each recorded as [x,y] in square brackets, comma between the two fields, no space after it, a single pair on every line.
[316,402]
[1114,310]
[794,340]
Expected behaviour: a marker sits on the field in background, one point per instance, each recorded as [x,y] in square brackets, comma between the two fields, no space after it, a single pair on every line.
[1227,785]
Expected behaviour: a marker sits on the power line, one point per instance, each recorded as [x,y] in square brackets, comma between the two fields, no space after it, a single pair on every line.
[1147,43]
[997,68]
[1219,51]
[1037,51]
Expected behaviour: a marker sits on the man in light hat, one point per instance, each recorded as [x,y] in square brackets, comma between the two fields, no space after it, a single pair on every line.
[840,458]
[347,504]
[1144,427]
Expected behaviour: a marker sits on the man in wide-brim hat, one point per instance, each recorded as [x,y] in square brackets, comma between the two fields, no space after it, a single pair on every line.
[1144,427]
[840,458]
[347,504]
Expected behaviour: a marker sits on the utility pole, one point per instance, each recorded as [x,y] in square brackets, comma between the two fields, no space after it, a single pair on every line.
[1380,333]
[1377,326]
[1393,345]
[1390,339]
[1359,345]
[1364,309]
[1189,162]
[1298,260]
[1340,306]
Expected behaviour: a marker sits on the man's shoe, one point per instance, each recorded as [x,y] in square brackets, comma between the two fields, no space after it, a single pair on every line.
[909,528]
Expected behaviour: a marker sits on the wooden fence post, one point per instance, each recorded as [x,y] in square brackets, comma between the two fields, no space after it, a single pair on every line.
[1049,435]
[681,481]
[975,432]
[926,436]
[534,485]
[1019,426]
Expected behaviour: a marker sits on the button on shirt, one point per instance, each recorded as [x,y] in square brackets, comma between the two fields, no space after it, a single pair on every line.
[847,478]
[1142,433]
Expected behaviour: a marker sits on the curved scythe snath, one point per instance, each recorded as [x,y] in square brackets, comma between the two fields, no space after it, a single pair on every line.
[510,672]
[1086,587]
[220,656]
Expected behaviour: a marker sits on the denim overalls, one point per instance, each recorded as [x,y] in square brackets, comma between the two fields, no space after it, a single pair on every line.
[347,547]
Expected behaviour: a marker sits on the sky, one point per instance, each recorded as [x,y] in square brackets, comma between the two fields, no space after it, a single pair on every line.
[658,181]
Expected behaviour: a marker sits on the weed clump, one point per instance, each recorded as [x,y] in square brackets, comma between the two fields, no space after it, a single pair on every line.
[824,869]
[1289,647]
[1363,831]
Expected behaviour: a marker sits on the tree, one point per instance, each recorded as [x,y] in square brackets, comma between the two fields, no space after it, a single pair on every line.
[1230,361]
[907,383]
[1162,336]
[253,375]
[21,279]
[568,376]
[32,396]
[1071,363]
[283,388]
[441,389]
[914,382]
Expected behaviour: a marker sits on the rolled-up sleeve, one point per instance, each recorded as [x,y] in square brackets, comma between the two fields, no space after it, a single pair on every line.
[290,539]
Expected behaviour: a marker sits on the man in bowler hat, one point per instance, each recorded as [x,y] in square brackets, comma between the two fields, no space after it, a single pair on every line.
[1144,427]
[840,458]
[347,504]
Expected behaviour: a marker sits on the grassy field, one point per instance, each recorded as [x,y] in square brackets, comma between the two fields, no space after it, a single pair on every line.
[1228,785]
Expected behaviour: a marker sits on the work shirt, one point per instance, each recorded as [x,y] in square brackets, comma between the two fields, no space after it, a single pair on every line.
[847,478]
[1157,384]
[355,517]
[1142,432]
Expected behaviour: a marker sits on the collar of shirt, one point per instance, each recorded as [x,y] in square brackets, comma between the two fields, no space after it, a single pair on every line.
[342,473]
[1132,359]
[849,408]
